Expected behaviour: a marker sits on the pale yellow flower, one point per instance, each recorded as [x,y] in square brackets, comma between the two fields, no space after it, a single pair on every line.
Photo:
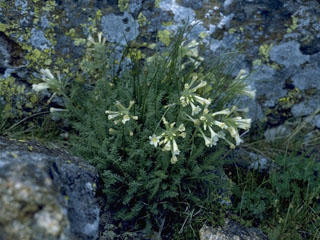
[154,140]
[207,141]
[181,128]
[175,148]
[195,109]
[174,159]
[249,92]
[221,125]
[40,86]
[242,123]
[123,113]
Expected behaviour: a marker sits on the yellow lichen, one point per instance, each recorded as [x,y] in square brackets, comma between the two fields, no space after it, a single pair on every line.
[157,3]
[164,37]
[3,27]
[123,5]
[141,19]
[294,24]
[264,51]
[167,24]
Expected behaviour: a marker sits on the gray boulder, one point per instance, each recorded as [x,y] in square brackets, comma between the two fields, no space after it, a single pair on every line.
[45,194]
[231,231]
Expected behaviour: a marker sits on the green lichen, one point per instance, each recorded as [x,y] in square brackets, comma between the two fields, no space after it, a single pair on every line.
[3,27]
[157,3]
[293,97]
[257,62]
[294,24]
[99,15]
[71,33]
[232,30]
[203,35]
[14,98]
[264,52]
[167,24]
[142,19]
[164,37]
[123,5]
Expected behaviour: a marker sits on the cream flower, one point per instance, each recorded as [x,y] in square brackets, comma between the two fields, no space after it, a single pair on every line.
[181,128]
[40,86]
[174,159]
[243,123]
[207,141]
[223,112]
[249,92]
[235,134]
[202,100]
[123,113]
[242,74]
[214,136]
[195,109]
[154,140]
[221,125]
[175,148]
[125,118]
[200,85]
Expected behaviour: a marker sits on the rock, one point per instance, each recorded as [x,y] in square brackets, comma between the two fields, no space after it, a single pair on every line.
[120,29]
[308,78]
[274,133]
[316,121]
[231,231]
[306,107]
[195,4]
[269,84]
[45,194]
[285,52]
[276,40]
[241,158]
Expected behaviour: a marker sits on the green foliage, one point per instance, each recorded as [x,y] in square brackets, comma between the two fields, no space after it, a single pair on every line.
[145,127]
[284,203]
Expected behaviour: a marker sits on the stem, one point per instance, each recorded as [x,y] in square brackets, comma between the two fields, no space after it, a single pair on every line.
[192,140]
[26,118]
[163,116]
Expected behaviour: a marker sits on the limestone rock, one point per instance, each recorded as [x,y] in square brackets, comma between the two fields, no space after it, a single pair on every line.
[277,41]
[45,194]
[231,231]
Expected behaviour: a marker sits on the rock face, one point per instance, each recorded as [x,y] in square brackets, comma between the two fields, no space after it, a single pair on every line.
[231,231]
[45,194]
[279,41]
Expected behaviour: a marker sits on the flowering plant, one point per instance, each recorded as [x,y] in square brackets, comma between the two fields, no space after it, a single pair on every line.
[158,155]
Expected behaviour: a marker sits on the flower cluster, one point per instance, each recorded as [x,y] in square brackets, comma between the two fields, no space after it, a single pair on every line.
[168,139]
[211,126]
[50,82]
[101,39]
[215,123]
[190,50]
[123,114]
[189,96]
